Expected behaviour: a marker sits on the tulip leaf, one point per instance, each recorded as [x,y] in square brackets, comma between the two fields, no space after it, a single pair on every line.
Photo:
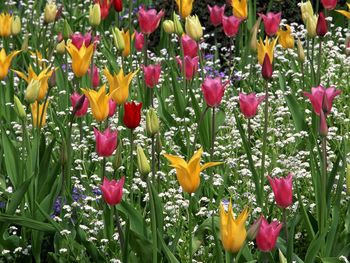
[11,156]
[170,256]
[314,247]
[26,222]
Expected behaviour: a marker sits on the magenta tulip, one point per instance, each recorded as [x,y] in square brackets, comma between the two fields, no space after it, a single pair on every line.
[139,41]
[190,46]
[248,104]
[216,14]
[321,27]
[213,91]
[191,66]
[267,70]
[267,235]
[149,20]
[329,4]
[95,76]
[283,190]
[78,39]
[271,22]
[316,98]
[80,104]
[230,25]
[106,142]
[112,191]
[151,74]
[112,107]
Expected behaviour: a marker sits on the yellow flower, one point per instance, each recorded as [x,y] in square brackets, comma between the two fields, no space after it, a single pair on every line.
[311,24]
[119,85]
[188,174]
[81,58]
[267,48]
[39,122]
[193,27]
[43,77]
[5,62]
[306,10]
[232,231]
[5,24]
[285,38]
[127,47]
[98,102]
[185,7]
[240,8]
[345,13]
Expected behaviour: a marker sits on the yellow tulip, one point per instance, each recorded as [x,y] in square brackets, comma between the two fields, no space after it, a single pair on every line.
[5,24]
[240,9]
[188,174]
[50,12]
[266,48]
[5,62]
[127,47]
[233,232]
[185,7]
[43,78]
[193,27]
[16,25]
[345,13]
[306,10]
[39,121]
[81,58]
[311,24]
[98,102]
[119,85]
[285,38]
[301,53]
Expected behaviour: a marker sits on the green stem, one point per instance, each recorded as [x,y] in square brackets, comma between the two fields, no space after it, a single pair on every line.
[324,185]
[153,160]
[190,230]
[131,153]
[120,230]
[198,126]
[212,133]
[153,224]
[284,220]
[319,62]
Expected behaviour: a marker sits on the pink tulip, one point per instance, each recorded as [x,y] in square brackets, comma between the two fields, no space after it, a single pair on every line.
[321,27]
[79,103]
[216,14]
[151,73]
[149,20]
[283,190]
[112,107]
[271,22]
[95,77]
[112,191]
[106,142]
[323,129]
[267,235]
[230,25]
[78,39]
[191,66]
[139,41]
[267,70]
[329,4]
[213,91]
[316,98]
[248,104]
[190,46]
[105,5]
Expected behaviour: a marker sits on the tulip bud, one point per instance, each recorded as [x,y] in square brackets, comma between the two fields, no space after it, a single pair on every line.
[80,103]
[142,162]
[118,39]
[25,43]
[254,228]
[266,70]
[347,46]
[32,91]
[95,15]
[152,122]
[311,25]
[177,25]
[67,31]
[169,26]
[50,12]
[348,178]
[61,47]
[323,124]
[301,53]
[282,257]
[19,108]
[254,34]
[194,28]
[52,80]
[118,157]
[16,25]
[321,27]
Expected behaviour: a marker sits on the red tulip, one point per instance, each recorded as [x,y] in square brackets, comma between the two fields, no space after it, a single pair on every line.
[266,70]
[80,104]
[78,39]
[271,22]
[230,25]
[95,76]
[283,190]
[112,191]
[139,41]
[216,14]
[190,46]
[248,104]
[191,66]
[132,114]
[106,142]
[316,98]
[267,235]
[321,27]
[105,5]
[112,107]
[151,73]
[149,20]
[323,124]
[329,4]
[118,5]
[213,91]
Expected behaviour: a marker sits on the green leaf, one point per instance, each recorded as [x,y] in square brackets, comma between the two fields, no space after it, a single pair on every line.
[315,247]
[11,157]
[26,222]
[170,256]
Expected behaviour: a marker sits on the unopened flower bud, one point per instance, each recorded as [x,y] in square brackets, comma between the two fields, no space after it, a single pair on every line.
[118,39]
[67,30]
[254,228]
[61,47]
[177,25]
[25,43]
[254,34]
[168,26]
[142,162]
[16,25]
[32,91]
[267,70]
[152,122]
[301,53]
[193,27]
[19,108]
[50,12]
[118,157]
[95,15]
